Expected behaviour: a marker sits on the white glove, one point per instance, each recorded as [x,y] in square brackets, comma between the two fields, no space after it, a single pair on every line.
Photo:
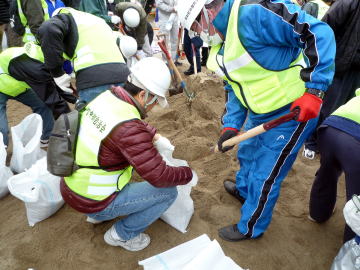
[115,19]
[140,54]
[64,83]
[194,179]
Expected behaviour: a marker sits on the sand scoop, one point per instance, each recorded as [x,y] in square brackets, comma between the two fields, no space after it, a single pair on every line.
[183,87]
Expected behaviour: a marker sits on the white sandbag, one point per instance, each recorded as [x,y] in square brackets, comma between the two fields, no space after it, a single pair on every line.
[5,172]
[26,143]
[348,257]
[352,214]
[40,191]
[212,257]
[177,257]
[198,254]
[180,212]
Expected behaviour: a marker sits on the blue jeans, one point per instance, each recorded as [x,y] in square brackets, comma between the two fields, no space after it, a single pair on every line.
[142,203]
[30,99]
[88,94]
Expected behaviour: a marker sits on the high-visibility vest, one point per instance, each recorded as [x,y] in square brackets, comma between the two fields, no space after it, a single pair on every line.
[96,43]
[98,119]
[257,88]
[322,8]
[9,85]
[350,110]
[28,36]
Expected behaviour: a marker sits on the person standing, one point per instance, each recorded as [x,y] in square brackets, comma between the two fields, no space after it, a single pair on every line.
[169,24]
[257,47]
[343,18]
[4,19]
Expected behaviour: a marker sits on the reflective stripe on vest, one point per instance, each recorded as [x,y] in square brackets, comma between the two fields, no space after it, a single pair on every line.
[98,119]
[257,88]
[350,110]
[28,36]
[93,50]
[9,85]
[34,51]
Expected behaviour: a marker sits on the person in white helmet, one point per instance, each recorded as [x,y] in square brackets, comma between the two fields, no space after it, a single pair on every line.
[134,21]
[127,46]
[112,141]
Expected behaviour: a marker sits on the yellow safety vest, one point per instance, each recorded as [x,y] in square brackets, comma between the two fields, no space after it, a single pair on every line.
[96,43]
[28,36]
[350,110]
[9,85]
[98,119]
[257,88]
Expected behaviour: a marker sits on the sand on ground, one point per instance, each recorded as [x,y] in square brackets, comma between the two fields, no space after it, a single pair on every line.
[67,241]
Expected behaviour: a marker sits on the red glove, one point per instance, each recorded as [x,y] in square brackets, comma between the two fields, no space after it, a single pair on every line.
[309,106]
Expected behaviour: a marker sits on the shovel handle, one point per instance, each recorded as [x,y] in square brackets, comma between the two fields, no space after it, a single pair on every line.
[259,129]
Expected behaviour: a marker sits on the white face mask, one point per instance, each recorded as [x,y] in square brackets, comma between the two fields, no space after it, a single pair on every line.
[211,40]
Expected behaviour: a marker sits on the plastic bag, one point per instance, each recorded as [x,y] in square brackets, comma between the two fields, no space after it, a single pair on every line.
[178,215]
[352,214]
[26,143]
[198,254]
[5,172]
[40,191]
[348,257]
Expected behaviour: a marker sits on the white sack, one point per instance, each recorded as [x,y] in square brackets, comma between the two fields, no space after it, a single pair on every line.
[352,214]
[5,172]
[198,254]
[178,215]
[40,191]
[26,143]
[177,257]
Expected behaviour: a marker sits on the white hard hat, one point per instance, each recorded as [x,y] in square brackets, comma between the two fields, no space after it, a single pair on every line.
[131,17]
[188,10]
[127,44]
[152,74]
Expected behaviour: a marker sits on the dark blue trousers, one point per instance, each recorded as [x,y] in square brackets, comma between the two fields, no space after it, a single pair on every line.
[340,152]
[189,51]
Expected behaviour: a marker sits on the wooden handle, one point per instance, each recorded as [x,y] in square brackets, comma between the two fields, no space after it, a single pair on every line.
[162,46]
[259,129]
[194,58]
[242,137]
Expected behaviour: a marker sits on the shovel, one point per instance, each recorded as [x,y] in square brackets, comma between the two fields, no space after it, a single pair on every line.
[189,95]
[259,129]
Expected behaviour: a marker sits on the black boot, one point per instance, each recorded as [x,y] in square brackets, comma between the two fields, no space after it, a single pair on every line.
[231,233]
[189,72]
[230,187]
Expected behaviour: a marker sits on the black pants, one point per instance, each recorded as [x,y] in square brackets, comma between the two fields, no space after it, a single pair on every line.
[339,92]
[39,79]
[340,152]
[189,52]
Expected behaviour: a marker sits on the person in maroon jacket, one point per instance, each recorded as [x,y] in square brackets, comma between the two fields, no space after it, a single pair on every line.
[129,143]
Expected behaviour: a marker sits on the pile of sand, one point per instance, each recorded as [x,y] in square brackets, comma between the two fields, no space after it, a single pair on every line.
[66,241]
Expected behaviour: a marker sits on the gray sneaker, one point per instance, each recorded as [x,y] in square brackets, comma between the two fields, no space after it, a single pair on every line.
[134,244]
[309,154]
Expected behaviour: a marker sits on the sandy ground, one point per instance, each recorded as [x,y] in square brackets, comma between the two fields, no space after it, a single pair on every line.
[66,241]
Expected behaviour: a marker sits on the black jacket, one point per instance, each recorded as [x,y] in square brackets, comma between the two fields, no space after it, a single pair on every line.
[344,18]
[59,35]
[4,11]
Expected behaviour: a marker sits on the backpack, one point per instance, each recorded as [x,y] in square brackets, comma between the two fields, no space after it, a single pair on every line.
[62,144]
[15,21]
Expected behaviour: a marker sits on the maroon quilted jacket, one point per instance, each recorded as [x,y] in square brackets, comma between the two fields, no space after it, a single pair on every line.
[130,143]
